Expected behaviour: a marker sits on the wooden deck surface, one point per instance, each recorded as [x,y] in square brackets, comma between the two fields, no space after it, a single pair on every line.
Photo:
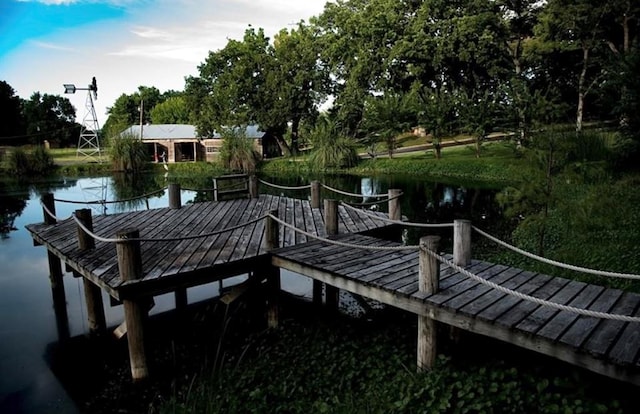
[168,265]
[604,346]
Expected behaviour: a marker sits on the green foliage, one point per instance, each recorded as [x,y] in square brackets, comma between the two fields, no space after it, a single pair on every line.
[52,118]
[23,163]
[370,369]
[386,117]
[331,149]
[172,111]
[127,153]
[238,152]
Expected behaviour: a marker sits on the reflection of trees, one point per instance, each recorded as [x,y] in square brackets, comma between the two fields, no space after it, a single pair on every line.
[128,186]
[11,207]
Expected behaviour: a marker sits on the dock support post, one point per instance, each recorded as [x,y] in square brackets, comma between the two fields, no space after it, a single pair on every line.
[272,232]
[315,194]
[462,242]
[55,274]
[253,186]
[174,196]
[92,293]
[180,296]
[428,282]
[332,294]
[130,268]
[395,211]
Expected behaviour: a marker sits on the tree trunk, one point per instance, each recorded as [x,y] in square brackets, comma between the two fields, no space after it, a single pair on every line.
[295,129]
[581,88]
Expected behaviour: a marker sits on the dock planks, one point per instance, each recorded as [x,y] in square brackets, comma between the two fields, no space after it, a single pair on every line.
[605,346]
[168,265]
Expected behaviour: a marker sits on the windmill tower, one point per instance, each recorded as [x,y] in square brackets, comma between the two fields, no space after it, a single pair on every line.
[89,142]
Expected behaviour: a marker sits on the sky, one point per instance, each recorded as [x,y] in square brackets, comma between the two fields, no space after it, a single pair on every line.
[125,43]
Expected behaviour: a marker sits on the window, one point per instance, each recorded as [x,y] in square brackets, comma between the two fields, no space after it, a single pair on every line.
[211,150]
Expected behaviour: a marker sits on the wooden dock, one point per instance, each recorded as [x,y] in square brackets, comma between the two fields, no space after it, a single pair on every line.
[607,347]
[169,249]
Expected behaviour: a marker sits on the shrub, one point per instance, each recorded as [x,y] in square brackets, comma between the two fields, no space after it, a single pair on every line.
[330,148]
[41,161]
[237,152]
[127,153]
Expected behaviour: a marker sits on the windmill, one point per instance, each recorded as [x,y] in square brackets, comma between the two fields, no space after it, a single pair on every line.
[88,143]
[89,147]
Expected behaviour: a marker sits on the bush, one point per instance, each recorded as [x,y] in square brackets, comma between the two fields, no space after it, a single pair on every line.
[127,153]
[41,161]
[330,148]
[237,152]
[22,163]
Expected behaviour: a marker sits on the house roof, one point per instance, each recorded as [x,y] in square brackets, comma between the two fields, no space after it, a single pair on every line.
[179,131]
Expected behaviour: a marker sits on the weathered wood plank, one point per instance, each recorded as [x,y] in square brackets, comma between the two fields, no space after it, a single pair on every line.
[563,320]
[538,318]
[584,325]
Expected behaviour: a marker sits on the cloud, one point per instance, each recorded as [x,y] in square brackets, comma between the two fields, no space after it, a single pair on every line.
[52,46]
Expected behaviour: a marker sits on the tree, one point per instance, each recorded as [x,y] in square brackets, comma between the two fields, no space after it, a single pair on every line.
[387,116]
[172,111]
[52,118]
[230,85]
[575,27]
[437,114]
[12,124]
[479,114]
[126,108]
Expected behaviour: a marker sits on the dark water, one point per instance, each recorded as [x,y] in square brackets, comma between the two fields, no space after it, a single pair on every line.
[27,322]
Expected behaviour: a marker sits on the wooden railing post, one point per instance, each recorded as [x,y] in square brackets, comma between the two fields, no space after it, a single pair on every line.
[315,194]
[462,242]
[428,283]
[395,211]
[55,273]
[48,202]
[174,196]
[272,238]
[92,292]
[130,268]
[332,294]
[253,186]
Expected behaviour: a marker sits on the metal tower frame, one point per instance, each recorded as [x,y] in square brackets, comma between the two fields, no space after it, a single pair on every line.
[89,141]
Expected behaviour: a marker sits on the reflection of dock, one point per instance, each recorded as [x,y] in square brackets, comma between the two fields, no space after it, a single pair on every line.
[171,249]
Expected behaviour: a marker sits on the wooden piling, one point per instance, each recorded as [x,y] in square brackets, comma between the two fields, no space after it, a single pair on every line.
[174,196]
[253,186]
[395,211]
[55,273]
[130,268]
[315,194]
[428,282]
[92,293]
[272,238]
[462,242]
[332,294]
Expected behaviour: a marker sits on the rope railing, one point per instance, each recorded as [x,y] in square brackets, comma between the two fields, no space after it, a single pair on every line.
[533,299]
[346,193]
[562,265]
[167,239]
[50,213]
[399,222]
[283,187]
[147,195]
[341,243]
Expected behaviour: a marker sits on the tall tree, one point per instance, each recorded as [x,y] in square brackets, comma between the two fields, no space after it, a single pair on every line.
[172,111]
[575,27]
[126,109]
[52,118]
[230,85]
[387,116]
[12,124]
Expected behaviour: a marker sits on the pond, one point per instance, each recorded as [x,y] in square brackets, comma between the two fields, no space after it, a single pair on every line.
[27,321]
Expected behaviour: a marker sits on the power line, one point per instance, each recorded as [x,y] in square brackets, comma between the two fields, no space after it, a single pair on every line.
[42,133]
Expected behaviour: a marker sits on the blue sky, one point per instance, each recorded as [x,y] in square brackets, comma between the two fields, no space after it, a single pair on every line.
[125,43]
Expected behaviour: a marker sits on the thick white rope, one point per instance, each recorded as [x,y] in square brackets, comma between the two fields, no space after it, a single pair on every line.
[529,298]
[399,222]
[53,216]
[111,201]
[282,187]
[340,243]
[168,239]
[335,190]
[556,263]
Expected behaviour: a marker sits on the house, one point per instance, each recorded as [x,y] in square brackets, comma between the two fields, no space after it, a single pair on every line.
[180,142]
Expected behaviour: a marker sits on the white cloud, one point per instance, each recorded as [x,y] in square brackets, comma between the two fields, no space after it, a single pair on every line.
[52,46]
